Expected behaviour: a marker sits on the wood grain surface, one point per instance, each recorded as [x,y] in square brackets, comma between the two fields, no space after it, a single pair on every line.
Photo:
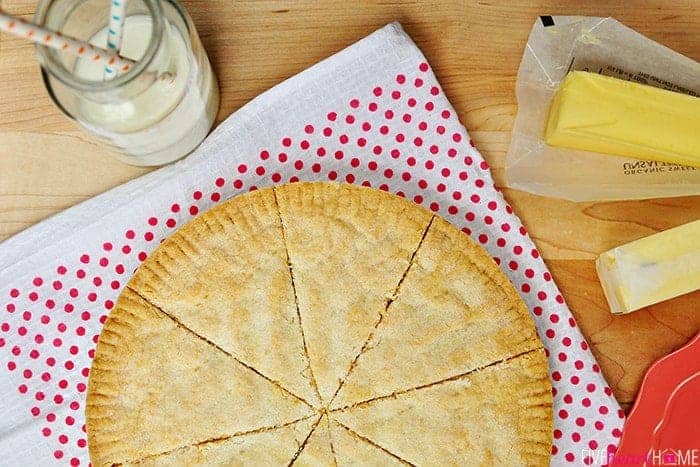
[47,164]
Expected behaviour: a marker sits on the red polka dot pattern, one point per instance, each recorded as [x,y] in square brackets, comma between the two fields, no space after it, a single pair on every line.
[399,135]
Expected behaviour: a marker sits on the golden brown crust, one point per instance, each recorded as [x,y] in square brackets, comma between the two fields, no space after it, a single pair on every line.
[269,447]
[225,276]
[353,451]
[155,386]
[455,312]
[500,415]
[316,295]
[349,247]
[317,451]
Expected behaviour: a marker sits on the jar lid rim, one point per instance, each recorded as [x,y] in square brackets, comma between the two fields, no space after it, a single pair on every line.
[50,64]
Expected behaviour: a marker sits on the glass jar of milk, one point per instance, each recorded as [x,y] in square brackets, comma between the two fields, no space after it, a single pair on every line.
[156,112]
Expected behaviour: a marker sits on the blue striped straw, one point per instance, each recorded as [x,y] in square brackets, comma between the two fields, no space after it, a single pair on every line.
[117,15]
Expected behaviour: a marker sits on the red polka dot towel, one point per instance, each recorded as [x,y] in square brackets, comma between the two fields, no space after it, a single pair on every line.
[373,114]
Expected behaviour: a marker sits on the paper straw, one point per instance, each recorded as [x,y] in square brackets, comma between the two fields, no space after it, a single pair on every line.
[55,40]
[117,15]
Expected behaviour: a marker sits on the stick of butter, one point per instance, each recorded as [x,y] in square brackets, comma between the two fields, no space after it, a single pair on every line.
[651,269]
[608,115]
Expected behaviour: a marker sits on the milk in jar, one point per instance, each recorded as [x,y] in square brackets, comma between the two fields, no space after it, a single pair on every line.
[159,110]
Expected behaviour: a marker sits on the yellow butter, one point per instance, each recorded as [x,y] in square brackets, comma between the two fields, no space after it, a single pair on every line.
[651,269]
[601,114]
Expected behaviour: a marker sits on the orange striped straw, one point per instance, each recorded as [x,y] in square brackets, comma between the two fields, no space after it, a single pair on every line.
[20,28]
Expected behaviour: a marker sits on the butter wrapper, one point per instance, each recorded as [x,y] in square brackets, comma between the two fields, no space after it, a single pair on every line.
[559,44]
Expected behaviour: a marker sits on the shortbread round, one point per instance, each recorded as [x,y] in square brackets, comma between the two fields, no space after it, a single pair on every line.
[319,324]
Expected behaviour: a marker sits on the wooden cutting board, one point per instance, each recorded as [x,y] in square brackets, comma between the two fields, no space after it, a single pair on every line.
[474,47]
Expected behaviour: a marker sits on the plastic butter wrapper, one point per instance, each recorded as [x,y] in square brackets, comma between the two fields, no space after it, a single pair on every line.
[651,269]
[558,45]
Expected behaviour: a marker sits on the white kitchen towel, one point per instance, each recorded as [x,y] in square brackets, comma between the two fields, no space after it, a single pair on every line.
[373,114]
